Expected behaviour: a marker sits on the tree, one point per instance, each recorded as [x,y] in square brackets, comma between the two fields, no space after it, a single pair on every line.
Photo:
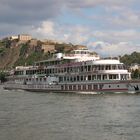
[2,77]
[135,74]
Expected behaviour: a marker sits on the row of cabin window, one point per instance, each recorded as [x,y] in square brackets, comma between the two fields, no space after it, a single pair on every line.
[30,72]
[84,68]
[82,87]
[50,63]
[87,78]
[72,69]
[37,79]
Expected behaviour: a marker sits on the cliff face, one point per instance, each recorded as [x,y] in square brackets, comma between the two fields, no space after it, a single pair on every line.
[9,57]
[13,53]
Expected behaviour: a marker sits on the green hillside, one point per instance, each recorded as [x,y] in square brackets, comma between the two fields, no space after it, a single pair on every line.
[131,59]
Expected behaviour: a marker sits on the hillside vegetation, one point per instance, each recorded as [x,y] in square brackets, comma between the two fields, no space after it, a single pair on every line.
[131,59]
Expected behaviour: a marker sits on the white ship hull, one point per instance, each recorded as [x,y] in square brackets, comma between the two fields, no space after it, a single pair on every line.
[110,86]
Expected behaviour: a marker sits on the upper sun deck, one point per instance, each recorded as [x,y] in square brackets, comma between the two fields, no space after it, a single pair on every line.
[74,56]
[82,55]
[106,62]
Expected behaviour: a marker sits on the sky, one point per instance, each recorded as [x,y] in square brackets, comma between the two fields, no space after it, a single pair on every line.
[108,27]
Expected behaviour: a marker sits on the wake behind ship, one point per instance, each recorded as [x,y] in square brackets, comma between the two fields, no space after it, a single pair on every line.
[78,71]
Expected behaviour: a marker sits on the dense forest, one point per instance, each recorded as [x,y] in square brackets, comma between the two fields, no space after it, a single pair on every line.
[131,59]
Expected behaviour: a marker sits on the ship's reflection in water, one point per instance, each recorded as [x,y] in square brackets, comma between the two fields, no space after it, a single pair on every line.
[57,116]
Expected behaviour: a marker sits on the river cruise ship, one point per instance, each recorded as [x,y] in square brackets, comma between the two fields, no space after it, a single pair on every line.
[79,71]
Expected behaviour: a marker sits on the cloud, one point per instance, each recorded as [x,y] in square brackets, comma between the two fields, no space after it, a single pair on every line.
[125,18]
[117,36]
[108,49]
[94,3]
[82,34]
[67,33]
[28,11]
[47,28]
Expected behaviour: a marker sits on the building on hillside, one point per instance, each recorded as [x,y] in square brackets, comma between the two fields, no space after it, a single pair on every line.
[52,41]
[24,37]
[80,47]
[135,66]
[47,47]
[33,42]
[13,37]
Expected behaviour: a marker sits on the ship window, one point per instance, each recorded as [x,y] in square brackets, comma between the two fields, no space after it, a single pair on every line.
[93,77]
[110,76]
[108,67]
[85,78]
[85,68]
[102,67]
[77,78]
[84,87]
[101,86]
[104,77]
[70,87]
[118,86]
[47,71]
[71,79]
[78,69]
[70,69]
[109,86]
[99,77]
[67,78]
[81,78]
[79,87]
[74,87]
[113,76]
[120,66]
[89,87]
[81,68]
[99,67]
[93,68]
[62,87]
[74,79]
[89,68]
[89,77]
[114,67]
[52,70]
[60,79]
[95,87]
[58,70]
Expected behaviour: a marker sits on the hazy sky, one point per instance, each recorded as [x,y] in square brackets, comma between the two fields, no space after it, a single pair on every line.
[110,27]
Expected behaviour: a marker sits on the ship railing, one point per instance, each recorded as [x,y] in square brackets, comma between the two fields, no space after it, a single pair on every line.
[42,86]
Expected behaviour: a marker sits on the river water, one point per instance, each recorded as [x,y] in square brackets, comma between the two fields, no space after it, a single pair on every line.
[58,116]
